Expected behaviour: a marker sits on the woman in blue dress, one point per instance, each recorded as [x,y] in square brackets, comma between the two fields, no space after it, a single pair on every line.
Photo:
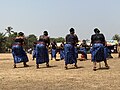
[18,52]
[98,48]
[69,48]
[42,55]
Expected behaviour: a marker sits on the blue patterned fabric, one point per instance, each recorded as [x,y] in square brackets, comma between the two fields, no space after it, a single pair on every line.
[34,53]
[106,52]
[83,51]
[19,54]
[41,54]
[62,54]
[76,52]
[70,55]
[53,53]
[98,52]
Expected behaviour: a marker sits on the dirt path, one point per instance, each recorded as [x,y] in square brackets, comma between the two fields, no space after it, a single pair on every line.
[56,77]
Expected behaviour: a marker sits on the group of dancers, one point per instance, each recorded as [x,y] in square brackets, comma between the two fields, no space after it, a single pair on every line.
[68,50]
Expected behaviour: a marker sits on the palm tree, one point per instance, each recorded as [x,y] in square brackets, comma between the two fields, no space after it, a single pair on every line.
[116,37]
[9,30]
[2,42]
[30,40]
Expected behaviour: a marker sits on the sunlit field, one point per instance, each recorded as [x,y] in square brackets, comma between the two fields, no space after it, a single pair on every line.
[56,77]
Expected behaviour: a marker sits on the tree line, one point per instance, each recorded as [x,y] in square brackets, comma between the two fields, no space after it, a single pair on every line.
[7,39]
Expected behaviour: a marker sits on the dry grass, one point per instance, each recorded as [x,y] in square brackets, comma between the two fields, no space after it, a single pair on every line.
[56,77]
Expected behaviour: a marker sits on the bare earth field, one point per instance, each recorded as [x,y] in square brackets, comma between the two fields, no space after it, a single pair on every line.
[56,77]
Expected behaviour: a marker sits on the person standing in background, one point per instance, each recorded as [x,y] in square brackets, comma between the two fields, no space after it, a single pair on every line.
[53,50]
[118,49]
[83,49]
[34,51]
[62,53]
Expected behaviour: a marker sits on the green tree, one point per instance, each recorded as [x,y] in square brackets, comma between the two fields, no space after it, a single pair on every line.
[2,43]
[9,30]
[59,39]
[52,39]
[10,40]
[30,40]
[116,37]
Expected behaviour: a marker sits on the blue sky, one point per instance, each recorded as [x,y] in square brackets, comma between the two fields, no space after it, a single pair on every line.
[58,16]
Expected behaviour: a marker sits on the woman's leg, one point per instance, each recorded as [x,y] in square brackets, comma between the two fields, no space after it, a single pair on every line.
[94,66]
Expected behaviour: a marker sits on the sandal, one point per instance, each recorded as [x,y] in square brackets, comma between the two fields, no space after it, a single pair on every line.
[107,66]
[66,67]
[47,65]
[76,66]
[15,66]
[26,65]
[94,69]
[37,66]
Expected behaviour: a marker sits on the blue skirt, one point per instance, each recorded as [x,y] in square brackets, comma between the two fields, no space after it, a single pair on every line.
[98,52]
[34,53]
[41,54]
[19,54]
[62,54]
[53,54]
[106,52]
[70,54]
[83,50]
[76,52]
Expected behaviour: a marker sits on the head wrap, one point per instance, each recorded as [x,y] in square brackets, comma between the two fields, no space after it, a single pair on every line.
[21,34]
[45,33]
[96,30]
[72,30]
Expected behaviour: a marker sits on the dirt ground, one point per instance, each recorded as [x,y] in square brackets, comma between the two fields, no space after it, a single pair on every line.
[56,77]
